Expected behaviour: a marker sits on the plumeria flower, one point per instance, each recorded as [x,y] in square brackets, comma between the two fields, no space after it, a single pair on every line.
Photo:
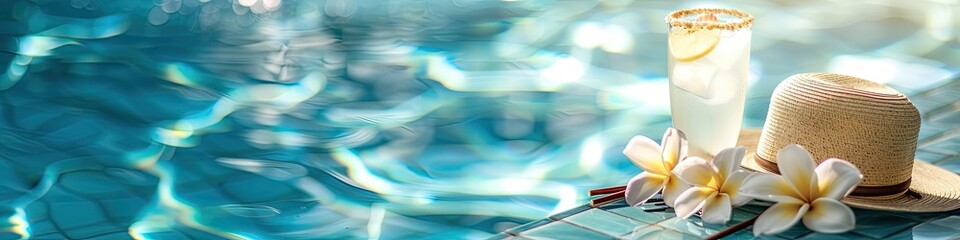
[657,162]
[802,191]
[715,186]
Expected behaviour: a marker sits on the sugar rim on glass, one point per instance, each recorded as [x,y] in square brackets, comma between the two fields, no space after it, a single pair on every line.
[675,19]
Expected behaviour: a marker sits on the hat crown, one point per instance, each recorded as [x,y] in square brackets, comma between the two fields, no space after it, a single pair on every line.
[853,84]
[835,116]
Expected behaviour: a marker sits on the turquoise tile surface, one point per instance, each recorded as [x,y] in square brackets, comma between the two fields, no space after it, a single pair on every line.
[748,234]
[604,222]
[517,238]
[518,229]
[655,232]
[943,228]
[825,236]
[922,217]
[562,230]
[902,235]
[613,205]
[692,226]
[794,232]
[653,207]
[502,235]
[570,212]
[617,220]
[755,206]
[643,216]
[880,224]
[740,215]
[934,231]
[951,221]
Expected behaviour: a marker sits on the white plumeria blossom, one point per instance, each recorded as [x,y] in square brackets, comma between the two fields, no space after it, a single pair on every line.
[657,162]
[804,192]
[715,186]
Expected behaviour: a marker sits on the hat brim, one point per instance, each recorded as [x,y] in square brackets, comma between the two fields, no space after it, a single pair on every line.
[933,188]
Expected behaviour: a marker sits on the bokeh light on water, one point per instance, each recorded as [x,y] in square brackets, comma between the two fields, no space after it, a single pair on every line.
[260,119]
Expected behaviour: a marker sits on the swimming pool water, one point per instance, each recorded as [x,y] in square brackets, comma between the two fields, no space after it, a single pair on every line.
[286,119]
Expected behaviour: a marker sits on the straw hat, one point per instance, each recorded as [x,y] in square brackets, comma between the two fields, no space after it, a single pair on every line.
[868,124]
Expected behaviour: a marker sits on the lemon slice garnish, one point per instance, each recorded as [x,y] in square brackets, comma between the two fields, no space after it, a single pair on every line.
[687,45]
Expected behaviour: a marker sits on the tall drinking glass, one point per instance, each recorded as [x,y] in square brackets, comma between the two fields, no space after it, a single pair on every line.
[709,50]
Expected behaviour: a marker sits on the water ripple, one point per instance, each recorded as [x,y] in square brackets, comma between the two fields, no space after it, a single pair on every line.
[271,169]
[251,211]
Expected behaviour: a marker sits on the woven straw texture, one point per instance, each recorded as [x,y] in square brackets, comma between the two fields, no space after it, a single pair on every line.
[868,124]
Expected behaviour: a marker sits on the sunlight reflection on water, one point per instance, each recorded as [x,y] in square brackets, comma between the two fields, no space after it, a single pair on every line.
[381,119]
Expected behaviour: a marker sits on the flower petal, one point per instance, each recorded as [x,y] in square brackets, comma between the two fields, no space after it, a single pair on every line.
[728,160]
[696,171]
[673,189]
[797,167]
[643,186]
[779,218]
[829,216]
[837,178]
[674,145]
[717,209]
[732,185]
[691,200]
[769,187]
[645,153]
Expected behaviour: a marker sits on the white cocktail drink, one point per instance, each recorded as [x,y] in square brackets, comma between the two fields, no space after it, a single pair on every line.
[709,52]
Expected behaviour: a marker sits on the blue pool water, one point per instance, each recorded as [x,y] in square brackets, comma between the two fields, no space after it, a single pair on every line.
[285,119]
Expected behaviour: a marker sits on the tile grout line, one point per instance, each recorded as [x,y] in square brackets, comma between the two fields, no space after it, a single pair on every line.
[585,227]
[654,224]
